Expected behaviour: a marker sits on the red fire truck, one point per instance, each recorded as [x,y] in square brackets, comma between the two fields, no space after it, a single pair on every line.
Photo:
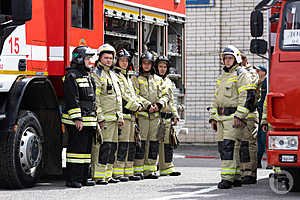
[284,89]
[36,41]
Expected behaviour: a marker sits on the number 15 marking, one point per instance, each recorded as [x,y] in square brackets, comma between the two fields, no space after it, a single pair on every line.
[14,45]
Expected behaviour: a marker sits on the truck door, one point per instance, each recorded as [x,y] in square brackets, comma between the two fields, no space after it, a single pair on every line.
[84,22]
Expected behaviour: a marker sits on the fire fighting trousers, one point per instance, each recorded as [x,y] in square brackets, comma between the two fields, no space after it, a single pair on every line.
[146,156]
[166,165]
[123,165]
[229,147]
[78,156]
[103,155]
[248,149]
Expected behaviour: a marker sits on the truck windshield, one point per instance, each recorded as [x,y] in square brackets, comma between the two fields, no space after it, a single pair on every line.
[290,27]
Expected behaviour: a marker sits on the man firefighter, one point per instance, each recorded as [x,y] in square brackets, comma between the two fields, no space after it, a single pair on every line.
[123,167]
[234,97]
[248,150]
[79,117]
[169,117]
[153,97]
[109,113]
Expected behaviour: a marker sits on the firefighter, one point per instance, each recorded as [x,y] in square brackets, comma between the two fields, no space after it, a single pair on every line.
[109,113]
[79,117]
[169,117]
[123,167]
[233,98]
[153,97]
[248,150]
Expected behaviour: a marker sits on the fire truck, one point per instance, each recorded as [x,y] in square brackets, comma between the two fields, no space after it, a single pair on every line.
[36,42]
[284,88]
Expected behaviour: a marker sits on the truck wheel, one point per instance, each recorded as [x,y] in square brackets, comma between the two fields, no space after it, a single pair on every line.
[21,153]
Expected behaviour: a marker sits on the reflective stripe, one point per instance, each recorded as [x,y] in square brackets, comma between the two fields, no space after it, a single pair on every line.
[143,114]
[84,85]
[151,168]
[252,115]
[99,175]
[118,171]
[74,110]
[108,173]
[110,117]
[234,79]
[137,91]
[82,80]
[157,83]
[228,171]
[128,171]
[76,155]
[142,82]
[128,105]
[138,168]
[246,87]
[164,91]
[242,109]
[213,111]
[71,122]
[73,160]
[167,171]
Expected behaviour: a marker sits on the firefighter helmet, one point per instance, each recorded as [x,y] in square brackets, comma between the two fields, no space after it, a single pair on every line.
[232,50]
[161,59]
[147,56]
[106,48]
[123,53]
[79,53]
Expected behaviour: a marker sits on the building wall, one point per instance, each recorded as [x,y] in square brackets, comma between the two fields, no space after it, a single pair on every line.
[208,31]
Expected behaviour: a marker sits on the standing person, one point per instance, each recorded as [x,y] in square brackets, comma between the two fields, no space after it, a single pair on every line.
[248,150]
[170,118]
[261,137]
[123,167]
[234,97]
[153,97]
[79,117]
[109,112]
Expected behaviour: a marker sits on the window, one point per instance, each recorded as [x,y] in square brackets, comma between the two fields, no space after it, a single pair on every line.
[82,14]
[290,27]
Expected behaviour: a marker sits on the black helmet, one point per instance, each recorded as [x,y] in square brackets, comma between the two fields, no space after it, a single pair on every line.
[123,53]
[161,59]
[79,53]
[147,56]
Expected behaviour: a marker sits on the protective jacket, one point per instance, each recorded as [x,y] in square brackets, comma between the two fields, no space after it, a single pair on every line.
[264,113]
[79,95]
[130,101]
[151,90]
[109,99]
[170,110]
[234,95]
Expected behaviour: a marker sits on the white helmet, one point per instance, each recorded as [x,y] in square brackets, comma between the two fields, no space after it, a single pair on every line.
[106,48]
[232,50]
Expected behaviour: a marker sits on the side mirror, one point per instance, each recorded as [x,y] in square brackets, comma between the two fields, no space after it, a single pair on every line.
[258,46]
[21,10]
[256,23]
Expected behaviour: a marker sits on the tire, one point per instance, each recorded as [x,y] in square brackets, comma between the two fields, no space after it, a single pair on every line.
[21,153]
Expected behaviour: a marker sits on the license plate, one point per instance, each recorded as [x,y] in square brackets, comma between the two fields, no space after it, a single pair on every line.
[288,158]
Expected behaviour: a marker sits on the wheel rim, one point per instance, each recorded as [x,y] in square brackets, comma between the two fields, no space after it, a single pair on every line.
[30,151]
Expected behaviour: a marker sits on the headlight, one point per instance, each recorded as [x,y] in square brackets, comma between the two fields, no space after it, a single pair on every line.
[283,142]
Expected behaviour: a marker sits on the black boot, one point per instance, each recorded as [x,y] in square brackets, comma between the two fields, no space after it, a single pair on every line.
[112,180]
[237,183]
[141,176]
[224,184]
[249,180]
[88,183]
[73,184]
[151,176]
[134,178]
[175,174]
[124,179]
[101,182]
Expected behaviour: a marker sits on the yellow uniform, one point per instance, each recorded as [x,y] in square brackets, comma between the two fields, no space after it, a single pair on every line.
[230,100]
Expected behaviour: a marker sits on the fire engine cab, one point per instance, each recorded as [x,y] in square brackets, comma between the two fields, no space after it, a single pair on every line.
[36,41]
[284,88]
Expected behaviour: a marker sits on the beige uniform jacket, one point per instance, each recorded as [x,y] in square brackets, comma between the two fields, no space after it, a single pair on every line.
[129,96]
[231,91]
[108,94]
[150,90]
[171,106]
